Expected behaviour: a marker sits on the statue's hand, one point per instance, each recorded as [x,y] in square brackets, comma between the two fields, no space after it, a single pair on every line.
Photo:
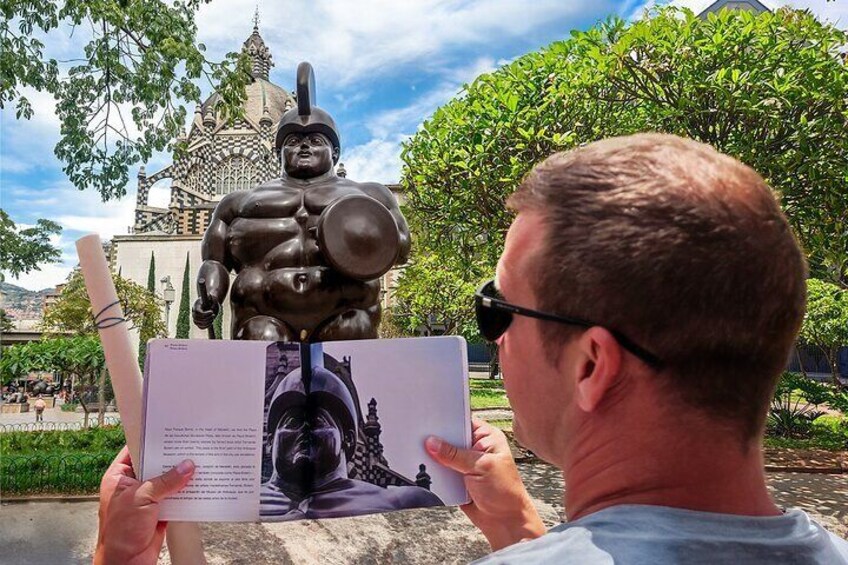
[204,314]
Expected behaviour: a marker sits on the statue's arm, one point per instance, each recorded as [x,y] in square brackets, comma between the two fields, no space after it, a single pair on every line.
[216,264]
[384,195]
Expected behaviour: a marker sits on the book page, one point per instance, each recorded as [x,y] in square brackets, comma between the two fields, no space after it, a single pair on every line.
[286,431]
[409,389]
[203,401]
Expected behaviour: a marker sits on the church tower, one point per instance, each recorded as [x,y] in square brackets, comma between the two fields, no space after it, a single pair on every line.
[221,157]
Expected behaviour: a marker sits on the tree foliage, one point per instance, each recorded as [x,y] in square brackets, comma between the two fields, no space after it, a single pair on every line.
[79,355]
[151,274]
[72,311]
[431,293]
[151,288]
[769,89]
[7,323]
[184,315]
[826,321]
[119,98]
[22,250]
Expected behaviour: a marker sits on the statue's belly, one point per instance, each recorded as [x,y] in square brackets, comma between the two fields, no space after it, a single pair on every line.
[303,297]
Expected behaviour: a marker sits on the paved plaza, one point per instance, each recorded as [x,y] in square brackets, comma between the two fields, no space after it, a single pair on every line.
[52,415]
[64,532]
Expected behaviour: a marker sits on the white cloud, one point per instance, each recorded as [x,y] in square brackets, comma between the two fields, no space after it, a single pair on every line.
[354,41]
[28,144]
[78,212]
[379,158]
[405,120]
[377,161]
[39,202]
[47,277]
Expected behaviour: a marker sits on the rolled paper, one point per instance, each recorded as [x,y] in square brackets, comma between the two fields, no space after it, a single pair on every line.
[184,541]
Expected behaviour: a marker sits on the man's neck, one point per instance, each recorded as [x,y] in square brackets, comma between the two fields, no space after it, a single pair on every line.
[323,481]
[666,464]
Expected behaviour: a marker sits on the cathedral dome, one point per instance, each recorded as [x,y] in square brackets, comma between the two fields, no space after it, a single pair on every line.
[261,94]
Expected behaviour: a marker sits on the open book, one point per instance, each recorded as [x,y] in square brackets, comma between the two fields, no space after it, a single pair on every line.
[285,431]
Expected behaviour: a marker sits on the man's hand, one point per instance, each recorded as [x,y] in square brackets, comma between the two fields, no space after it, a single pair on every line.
[130,531]
[204,314]
[500,505]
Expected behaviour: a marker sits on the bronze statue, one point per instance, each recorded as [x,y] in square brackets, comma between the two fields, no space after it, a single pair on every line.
[312,436]
[308,247]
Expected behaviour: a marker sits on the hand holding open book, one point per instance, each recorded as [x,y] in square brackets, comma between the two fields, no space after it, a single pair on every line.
[284,431]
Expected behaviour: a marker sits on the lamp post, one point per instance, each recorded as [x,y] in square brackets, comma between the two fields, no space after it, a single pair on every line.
[168,293]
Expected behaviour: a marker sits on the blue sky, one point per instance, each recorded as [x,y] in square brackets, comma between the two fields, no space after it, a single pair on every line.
[382,67]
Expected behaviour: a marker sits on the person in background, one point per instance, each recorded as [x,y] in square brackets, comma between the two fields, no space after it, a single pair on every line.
[39,406]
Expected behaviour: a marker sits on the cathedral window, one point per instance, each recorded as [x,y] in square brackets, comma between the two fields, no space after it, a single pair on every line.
[235,173]
[192,179]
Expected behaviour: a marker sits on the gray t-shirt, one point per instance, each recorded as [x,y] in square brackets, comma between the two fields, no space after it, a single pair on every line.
[659,535]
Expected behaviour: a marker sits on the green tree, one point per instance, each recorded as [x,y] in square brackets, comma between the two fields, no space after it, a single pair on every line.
[826,321]
[768,89]
[22,250]
[151,288]
[184,316]
[430,295]
[71,314]
[120,97]
[79,358]
[151,274]
[7,323]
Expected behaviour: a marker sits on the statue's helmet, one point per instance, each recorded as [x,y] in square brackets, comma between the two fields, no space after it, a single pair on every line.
[326,390]
[306,117]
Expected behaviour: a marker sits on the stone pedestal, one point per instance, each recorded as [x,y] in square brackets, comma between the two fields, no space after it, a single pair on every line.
[16,408]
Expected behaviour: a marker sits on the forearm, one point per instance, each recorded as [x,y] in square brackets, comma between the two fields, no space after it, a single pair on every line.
[525,524]
[217,279]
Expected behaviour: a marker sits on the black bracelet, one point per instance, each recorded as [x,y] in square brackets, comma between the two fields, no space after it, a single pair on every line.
[108,322]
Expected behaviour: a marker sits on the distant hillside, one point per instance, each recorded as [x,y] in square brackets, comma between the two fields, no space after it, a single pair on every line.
[20,303]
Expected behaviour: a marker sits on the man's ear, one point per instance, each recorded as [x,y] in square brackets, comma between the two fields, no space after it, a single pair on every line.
[349,440]
[335,155]
[598,367]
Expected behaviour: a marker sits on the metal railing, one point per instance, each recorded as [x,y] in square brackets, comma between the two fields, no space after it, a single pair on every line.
[52,473]
[58,426]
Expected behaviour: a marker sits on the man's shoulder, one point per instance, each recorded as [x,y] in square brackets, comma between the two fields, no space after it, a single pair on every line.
[564,544]
[655,534]
[840,544]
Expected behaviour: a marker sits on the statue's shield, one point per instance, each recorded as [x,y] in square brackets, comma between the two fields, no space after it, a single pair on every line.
[359,237]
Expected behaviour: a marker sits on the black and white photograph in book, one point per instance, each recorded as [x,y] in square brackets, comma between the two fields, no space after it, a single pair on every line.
[324,454]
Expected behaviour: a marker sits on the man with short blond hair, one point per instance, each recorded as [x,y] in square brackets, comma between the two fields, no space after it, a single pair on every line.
[645,304]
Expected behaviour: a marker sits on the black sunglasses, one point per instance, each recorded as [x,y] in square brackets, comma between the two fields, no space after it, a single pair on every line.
[494,316]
